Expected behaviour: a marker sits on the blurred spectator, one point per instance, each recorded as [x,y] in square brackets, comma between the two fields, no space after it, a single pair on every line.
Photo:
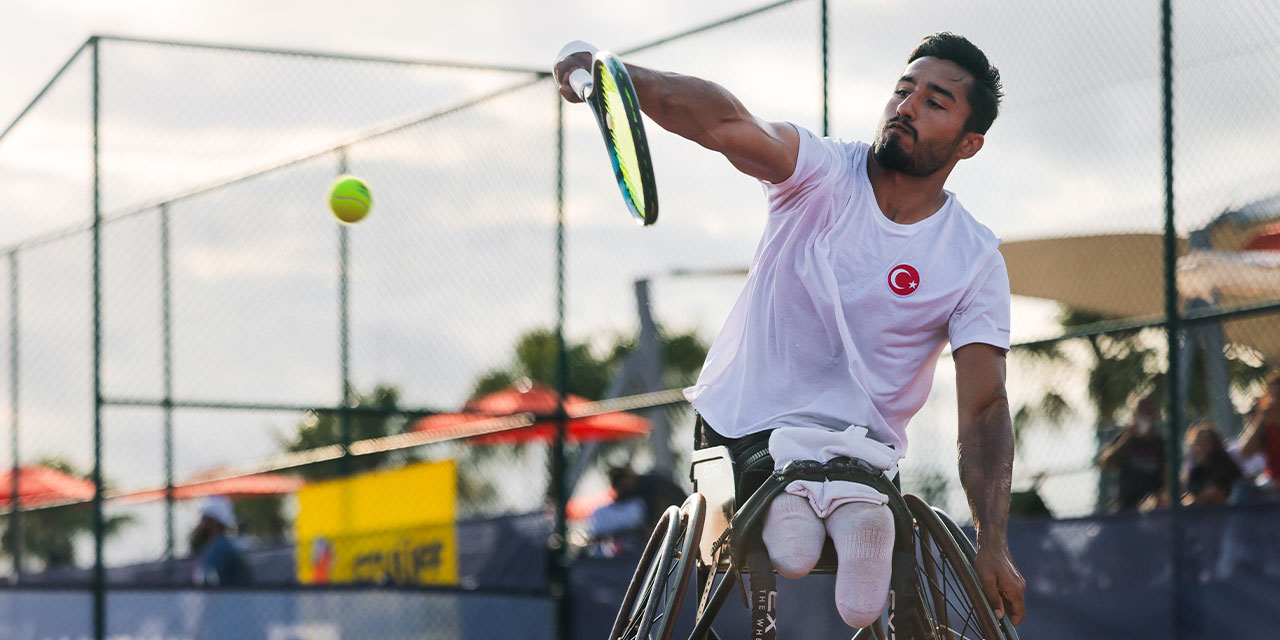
[1262,435]
[638,503]
[656,491]
[1212,473]
[1137,456]
[222,561]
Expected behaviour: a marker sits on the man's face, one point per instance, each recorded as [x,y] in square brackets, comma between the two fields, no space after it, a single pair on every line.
[922,129]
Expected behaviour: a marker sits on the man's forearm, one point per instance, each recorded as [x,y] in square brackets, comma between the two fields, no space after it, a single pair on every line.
[689,107]
[986,470]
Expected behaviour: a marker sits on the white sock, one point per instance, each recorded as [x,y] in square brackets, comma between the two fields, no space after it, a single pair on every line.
[793,535]
[863,537]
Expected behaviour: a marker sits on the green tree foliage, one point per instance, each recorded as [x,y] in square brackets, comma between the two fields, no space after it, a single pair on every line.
[1125,366]
[48,533]
[323,429]
[262,519]
[536,359]
[591,370]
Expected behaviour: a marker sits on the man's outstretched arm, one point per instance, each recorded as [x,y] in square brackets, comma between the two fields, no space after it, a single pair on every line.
[986,467]
[706,113]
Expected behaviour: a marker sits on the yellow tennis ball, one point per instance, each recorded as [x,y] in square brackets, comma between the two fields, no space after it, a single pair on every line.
[350,199]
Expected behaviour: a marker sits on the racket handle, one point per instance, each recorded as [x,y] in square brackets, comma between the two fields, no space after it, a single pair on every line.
[581,81]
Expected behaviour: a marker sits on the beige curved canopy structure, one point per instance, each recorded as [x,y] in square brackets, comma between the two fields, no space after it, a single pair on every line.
[1122,276]
[1119,275]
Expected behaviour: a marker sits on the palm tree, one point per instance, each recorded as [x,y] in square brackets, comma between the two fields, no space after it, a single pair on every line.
[263,518]
[323,429]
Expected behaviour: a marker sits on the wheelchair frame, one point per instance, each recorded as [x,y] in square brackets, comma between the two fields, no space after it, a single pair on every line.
[682,542]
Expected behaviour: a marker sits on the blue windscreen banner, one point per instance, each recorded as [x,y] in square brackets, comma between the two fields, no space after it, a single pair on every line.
[300,614]
[1110,577]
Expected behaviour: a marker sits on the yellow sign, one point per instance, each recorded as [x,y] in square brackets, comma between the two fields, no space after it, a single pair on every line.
[392,527]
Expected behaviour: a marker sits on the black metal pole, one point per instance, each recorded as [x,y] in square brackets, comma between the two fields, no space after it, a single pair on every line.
[344,331]
[826,69]
[1172,319]
[99,528]
[1172,316]
[15,503]
[559,538]
[166,332]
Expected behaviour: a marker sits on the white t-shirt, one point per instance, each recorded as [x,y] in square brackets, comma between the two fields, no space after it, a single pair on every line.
[845,312]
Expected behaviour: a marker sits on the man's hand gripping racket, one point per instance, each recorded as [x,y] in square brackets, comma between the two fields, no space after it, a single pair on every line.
[599,79]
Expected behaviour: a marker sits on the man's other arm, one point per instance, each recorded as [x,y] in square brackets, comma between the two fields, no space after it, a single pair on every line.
[985,445]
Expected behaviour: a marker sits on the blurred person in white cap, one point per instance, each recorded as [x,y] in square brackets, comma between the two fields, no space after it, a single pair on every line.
[222,560]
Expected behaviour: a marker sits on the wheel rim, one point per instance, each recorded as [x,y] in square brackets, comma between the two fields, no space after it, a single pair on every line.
[951,598]
[654,601]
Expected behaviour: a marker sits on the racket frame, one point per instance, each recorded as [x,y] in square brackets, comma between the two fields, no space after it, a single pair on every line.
[584,84]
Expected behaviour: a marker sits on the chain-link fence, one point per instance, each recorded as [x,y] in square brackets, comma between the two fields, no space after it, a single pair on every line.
[381,402]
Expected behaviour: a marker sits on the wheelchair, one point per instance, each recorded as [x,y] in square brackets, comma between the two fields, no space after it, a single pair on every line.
[934,593]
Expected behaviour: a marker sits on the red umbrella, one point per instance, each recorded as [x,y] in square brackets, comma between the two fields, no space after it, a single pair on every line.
[40,485]
[1268,239]
[253,486]
[539,400]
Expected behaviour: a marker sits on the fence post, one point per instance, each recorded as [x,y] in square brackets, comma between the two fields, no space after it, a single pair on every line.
[99,524]
[559,537]
[1172,318]
[15,504]
[344,330]
[826,69]
[166,329]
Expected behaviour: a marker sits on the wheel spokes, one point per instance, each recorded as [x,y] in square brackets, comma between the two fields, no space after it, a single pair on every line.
[951,613]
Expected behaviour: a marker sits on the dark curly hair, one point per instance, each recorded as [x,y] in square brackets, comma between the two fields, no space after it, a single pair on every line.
[985,92]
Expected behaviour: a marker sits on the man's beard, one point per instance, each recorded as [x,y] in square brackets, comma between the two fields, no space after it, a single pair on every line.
[928,158]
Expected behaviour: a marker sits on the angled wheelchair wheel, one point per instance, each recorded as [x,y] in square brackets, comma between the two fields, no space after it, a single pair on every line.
[953,606]
[966,547]
[657,588]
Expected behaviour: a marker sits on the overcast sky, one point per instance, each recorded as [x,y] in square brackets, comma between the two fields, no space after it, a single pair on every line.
[37,36]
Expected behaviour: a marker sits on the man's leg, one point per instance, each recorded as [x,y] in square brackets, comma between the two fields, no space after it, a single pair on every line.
[863,537]
[794,535]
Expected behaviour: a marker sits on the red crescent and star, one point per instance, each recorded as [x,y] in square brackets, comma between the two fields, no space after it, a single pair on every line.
[904,280]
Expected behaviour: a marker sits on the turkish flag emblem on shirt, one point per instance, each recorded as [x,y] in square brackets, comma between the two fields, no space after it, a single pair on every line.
[904,280]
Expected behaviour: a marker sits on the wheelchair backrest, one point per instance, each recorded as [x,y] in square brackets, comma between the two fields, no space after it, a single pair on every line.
[712,474]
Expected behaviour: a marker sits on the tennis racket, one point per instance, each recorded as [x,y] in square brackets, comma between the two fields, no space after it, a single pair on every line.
[608,90]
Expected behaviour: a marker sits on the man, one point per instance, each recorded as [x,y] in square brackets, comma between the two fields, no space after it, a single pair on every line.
[1137,457]
[866,269]
[638,503]
[1213,474]
[654,490]
[222,562]
[1262,435]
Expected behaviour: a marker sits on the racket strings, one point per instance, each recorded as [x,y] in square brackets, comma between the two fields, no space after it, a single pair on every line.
[626,159]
